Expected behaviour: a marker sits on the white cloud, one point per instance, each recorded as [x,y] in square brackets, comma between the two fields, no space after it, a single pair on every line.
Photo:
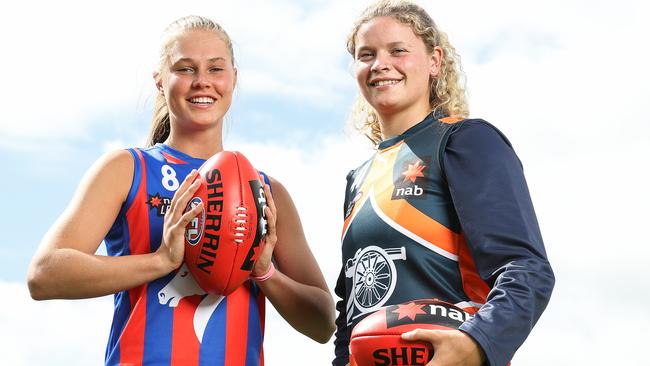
[52,332]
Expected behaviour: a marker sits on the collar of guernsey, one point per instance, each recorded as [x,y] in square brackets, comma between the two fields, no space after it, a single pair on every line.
[179,154]
[434,115]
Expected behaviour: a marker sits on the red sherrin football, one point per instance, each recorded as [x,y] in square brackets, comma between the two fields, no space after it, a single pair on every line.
[376,340]
[223,242]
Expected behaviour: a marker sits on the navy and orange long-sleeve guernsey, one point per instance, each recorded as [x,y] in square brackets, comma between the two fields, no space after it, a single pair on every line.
[443,211]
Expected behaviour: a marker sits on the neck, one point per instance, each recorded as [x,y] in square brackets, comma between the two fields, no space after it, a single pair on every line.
[394,124]
[200,144]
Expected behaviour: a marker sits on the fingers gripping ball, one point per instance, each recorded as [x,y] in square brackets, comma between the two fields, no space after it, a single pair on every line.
[377,339]
[223,242]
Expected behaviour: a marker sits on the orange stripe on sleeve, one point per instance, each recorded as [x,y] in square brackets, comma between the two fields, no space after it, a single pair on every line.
[473,285]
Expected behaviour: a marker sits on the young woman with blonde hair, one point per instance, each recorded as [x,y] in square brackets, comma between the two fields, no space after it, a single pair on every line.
[134,199]
[442,209]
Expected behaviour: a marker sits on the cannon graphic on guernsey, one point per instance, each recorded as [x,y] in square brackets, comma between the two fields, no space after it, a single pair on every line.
[373,276]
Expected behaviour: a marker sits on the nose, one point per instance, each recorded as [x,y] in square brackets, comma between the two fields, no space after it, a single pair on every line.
[200,80]
[381,63]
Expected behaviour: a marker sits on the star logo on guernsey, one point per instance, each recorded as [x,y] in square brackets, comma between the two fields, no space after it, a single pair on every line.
[160,203]
[413,172]
[410,310]
[406,185]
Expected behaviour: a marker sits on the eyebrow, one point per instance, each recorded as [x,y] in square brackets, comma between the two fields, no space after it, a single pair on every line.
[391,44]
[398,43]
[185,59]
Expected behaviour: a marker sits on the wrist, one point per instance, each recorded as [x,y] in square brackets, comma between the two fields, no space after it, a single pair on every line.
[162,264]
[269,273]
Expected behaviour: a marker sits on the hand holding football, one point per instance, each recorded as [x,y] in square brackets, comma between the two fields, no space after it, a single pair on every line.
[223,242]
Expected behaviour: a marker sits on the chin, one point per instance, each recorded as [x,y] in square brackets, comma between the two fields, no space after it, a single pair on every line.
[208,119]
[386,107]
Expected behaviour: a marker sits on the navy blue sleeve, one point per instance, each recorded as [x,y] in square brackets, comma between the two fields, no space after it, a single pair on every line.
[491,198]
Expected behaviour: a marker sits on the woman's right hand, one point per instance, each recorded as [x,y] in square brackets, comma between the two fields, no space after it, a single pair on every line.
[172,246]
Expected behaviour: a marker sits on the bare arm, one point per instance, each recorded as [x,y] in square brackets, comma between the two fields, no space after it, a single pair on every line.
[298,289]
[66,266]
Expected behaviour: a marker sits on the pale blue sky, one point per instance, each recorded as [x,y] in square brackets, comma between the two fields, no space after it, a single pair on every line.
[566,81]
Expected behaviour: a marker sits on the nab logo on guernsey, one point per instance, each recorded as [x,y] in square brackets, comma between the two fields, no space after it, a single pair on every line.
[406,186]
[409,191]
[441,314]
[194,231]
[160,203]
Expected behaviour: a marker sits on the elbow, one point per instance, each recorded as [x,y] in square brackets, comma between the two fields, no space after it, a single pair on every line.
[328,328]
[37,282]
[322,327]
[550,278]
[543,284]
[36,287]
[551,281]
[325,334]
[328,331]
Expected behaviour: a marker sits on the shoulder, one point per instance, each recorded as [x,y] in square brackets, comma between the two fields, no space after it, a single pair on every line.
[274,182]
[282,198]
[114,170]
[116,162]
[361,169]
[477,132]
[477,143]
[277,188]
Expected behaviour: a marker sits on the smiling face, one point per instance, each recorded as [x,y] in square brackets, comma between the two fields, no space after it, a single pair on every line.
[394,69]
[197,80]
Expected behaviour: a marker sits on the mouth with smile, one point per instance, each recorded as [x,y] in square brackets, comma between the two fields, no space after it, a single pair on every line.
[378,83]
[203,101]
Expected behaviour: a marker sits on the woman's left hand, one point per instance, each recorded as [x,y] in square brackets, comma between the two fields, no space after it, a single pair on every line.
[263,263]
[451,347]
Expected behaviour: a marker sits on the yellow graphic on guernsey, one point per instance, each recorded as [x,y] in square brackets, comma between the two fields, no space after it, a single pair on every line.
[380,176]
[400,214]
[378,179]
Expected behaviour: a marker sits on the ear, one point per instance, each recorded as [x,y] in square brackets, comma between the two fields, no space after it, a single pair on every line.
[436,62]
[234,82]
[158,80]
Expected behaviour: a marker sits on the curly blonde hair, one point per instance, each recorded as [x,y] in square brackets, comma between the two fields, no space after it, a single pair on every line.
[447,91]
